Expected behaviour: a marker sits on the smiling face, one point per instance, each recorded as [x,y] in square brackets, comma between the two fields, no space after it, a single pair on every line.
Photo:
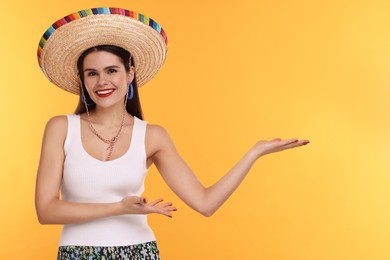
[106,78]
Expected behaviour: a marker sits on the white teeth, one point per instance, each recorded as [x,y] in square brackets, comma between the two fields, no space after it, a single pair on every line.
[102,92]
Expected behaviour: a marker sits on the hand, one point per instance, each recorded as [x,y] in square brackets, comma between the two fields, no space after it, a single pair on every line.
[276,145]
[139,205]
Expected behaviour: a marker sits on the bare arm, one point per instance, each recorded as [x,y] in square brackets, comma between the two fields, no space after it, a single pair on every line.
[184,183]
[51,210]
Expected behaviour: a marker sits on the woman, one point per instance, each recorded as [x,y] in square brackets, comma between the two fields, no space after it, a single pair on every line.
[98,157]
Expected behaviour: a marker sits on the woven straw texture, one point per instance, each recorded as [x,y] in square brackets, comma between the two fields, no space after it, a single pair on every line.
[58,58]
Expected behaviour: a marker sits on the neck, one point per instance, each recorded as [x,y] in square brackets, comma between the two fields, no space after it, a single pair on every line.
[108,116]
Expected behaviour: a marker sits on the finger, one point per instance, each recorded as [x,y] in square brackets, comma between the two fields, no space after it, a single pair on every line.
[170,209]
[288,141]
[297,144]
[163,211]
[135,199]
[141,200]
[155,202]
[276,139]
[167,204]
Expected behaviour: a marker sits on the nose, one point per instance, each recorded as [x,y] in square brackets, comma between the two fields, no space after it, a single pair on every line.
[102,80]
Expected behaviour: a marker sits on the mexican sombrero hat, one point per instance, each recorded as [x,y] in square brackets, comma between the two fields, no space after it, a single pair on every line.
[64,42]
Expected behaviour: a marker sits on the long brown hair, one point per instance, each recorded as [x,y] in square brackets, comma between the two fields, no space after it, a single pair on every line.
[133,106]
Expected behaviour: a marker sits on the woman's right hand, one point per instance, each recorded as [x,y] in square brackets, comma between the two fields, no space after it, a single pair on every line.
[140,205]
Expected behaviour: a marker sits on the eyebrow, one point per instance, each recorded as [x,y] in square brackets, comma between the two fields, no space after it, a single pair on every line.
[106,68]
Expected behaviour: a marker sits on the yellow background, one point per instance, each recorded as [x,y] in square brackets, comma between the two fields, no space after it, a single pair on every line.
[236,72]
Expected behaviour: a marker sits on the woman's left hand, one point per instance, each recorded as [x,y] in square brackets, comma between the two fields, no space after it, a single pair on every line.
[276,145]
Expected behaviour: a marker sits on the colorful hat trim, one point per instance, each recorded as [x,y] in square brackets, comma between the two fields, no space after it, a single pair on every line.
[94,11]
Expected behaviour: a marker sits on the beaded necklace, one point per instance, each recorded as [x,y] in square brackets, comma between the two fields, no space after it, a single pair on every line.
[111,142]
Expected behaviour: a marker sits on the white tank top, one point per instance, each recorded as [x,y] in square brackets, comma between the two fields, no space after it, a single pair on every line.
[89,180]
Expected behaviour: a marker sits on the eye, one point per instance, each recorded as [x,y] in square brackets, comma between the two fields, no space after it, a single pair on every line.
[91,74]
[111,71]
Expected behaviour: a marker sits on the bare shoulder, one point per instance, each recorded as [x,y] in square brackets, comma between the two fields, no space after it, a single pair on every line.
[56,128]
[157,138]
[58,121]
[156,131]
[156,134]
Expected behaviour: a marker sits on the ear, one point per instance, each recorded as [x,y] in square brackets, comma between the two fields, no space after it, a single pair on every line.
[130,74]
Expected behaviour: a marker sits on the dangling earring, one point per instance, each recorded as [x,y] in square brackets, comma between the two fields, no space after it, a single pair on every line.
[131,92]
[83,99]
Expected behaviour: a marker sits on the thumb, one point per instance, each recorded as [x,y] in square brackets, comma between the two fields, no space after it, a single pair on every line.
[140,200]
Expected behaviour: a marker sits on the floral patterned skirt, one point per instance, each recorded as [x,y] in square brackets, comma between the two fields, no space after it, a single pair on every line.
[144,251]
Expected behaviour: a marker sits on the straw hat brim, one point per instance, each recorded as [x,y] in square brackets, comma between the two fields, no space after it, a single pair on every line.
[59,54]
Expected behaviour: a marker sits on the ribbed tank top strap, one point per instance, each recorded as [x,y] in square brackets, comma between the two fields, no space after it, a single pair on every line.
[138,139]
[72,141]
